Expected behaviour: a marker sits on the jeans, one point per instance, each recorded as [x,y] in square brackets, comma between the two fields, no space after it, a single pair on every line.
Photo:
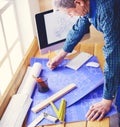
[119,118]
[118,104]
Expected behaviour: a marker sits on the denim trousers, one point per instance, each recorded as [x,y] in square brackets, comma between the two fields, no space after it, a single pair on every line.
[119,118]
[117,102]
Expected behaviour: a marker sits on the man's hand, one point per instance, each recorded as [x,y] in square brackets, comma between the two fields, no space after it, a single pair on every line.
[98,110]
[54,62]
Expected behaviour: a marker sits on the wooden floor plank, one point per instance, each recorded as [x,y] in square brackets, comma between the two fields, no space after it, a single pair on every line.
[55,125]
[104,123]
[76,124]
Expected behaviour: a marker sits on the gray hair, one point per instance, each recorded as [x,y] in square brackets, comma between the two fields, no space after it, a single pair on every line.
[63,4]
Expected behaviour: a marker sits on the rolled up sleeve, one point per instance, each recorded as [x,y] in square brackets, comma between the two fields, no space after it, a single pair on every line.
[79,29]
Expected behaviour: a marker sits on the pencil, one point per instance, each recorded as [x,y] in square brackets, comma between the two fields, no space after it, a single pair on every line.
[50,60]
[49,55]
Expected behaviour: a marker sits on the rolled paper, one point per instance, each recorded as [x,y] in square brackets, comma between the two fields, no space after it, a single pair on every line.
[28,84]
[20,102]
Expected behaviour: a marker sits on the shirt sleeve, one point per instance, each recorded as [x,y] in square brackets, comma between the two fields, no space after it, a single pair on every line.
[110,24]
[78,30]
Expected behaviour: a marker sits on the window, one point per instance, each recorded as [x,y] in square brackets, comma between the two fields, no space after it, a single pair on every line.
[11,50]
[17,31]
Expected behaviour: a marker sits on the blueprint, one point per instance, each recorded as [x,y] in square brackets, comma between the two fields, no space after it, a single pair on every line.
[89,81]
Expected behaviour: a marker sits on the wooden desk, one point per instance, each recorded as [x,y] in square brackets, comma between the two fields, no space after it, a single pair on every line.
[103,123]
[95,49]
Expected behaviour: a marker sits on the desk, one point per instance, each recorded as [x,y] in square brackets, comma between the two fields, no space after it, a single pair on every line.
[103,123]
[95,49]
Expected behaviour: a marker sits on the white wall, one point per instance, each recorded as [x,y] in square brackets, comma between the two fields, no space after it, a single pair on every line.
[25,11]
[34,8]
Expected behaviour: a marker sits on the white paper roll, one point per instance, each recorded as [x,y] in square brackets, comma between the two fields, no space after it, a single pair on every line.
[28,83]
[16,111]
[20,103]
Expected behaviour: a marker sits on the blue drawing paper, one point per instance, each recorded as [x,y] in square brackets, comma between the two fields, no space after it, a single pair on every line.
[86,79]
[77,111]
[78,100]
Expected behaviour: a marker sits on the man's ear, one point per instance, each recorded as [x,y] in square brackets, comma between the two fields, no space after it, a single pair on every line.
[79,2]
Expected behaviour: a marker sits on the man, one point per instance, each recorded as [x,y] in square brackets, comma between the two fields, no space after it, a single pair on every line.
[105,16]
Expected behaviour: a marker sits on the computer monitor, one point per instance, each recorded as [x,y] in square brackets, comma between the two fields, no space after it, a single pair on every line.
[52,29]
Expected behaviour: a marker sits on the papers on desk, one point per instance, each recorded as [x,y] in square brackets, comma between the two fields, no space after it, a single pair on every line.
[28,83]
[86,78]
[19,104]
[63,76]
[16,111]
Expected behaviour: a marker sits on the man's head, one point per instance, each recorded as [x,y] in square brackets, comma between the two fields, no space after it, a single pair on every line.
[63,4]
[72,7]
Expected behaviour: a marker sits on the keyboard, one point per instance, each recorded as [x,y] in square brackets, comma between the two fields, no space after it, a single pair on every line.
[79,60]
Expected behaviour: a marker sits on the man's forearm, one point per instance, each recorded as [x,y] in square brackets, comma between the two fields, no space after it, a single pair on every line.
[62,54]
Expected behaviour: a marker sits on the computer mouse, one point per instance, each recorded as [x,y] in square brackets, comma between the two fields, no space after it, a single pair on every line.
[92,64]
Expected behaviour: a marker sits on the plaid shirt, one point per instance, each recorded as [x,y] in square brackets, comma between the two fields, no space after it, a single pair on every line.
[105,16]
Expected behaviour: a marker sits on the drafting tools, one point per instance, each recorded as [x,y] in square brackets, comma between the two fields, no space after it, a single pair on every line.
[54,97]
[41,117]
[37,120]
[55,109]
[50,117]
[61,112]
[79,60]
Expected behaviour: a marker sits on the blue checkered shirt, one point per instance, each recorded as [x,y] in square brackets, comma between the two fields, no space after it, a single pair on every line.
[105,16]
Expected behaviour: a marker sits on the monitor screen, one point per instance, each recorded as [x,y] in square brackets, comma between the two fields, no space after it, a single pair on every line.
[52,29]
